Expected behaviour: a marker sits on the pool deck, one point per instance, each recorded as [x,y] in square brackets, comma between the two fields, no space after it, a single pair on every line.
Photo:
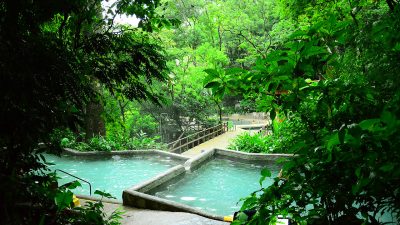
[134,216]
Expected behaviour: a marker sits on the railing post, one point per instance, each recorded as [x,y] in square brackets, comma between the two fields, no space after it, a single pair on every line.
[187,143]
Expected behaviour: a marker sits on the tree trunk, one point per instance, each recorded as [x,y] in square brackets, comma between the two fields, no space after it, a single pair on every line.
[94,123]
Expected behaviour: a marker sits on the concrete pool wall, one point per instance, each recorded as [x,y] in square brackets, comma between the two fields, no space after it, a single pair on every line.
[174,156]
[139,196]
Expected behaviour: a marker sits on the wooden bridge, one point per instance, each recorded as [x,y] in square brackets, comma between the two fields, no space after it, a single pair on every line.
[183,144]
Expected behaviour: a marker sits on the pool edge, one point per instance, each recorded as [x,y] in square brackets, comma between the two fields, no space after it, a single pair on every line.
[138,196]
[126,152]
[145,201]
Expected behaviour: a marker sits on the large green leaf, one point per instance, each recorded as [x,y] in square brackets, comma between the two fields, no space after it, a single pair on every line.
[369,124]
[103,194]
[63,199]
[212,73]
[332,141]
[212,84]
[309,51]
[298,34]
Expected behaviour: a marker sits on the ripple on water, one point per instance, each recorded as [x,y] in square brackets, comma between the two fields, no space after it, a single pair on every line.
[188,198]
[116,157]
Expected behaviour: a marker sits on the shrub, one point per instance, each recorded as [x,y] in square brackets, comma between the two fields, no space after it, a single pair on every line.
[249,143]
[280,141]
[100,143]
[61,137]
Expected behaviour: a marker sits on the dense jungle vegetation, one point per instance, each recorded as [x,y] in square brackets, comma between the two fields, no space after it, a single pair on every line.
[325,71]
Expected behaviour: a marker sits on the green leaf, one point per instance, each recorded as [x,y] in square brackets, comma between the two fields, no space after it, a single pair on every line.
[369,124]
[212,84]
[358,172]
[397,47]
[272,114]
[63,199]
[248,202]
[355,188]
[42,158]
[219,93]
[103,194]
[298,33]
[266,172]
[74,185]
[388,117]
[213,73]
[332,141]
[387,168]
[308,80]
[313,50]
[42,219]
[242,217]
[271,57]
[236,222]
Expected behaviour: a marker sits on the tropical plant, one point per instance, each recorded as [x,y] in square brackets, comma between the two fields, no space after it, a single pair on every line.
[253,143]
[337,73]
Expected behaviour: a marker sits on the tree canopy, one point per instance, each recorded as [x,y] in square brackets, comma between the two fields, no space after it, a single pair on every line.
[336,72]
[55,56]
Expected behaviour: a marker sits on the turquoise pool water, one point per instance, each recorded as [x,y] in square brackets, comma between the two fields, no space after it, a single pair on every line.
[217,186]
[112,174]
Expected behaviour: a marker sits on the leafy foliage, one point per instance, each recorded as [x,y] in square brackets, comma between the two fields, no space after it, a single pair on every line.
[337,73]
[246,142]
[92,212]
[332,75]
[124,120]
[54,58]
[281,140]
[101,143]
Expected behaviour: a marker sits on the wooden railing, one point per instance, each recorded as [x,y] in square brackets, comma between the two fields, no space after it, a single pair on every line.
[190,141]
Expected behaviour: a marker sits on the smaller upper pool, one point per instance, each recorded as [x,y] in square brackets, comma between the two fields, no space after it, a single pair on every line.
[217,186]
[111,174]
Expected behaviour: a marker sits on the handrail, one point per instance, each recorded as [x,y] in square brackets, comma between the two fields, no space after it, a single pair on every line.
[90,186]
[173,145]
[174,142]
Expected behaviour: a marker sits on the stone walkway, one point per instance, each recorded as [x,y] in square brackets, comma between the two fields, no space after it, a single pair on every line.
[134,216]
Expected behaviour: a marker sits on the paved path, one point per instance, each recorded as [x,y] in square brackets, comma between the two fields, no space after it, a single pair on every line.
[134,216]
